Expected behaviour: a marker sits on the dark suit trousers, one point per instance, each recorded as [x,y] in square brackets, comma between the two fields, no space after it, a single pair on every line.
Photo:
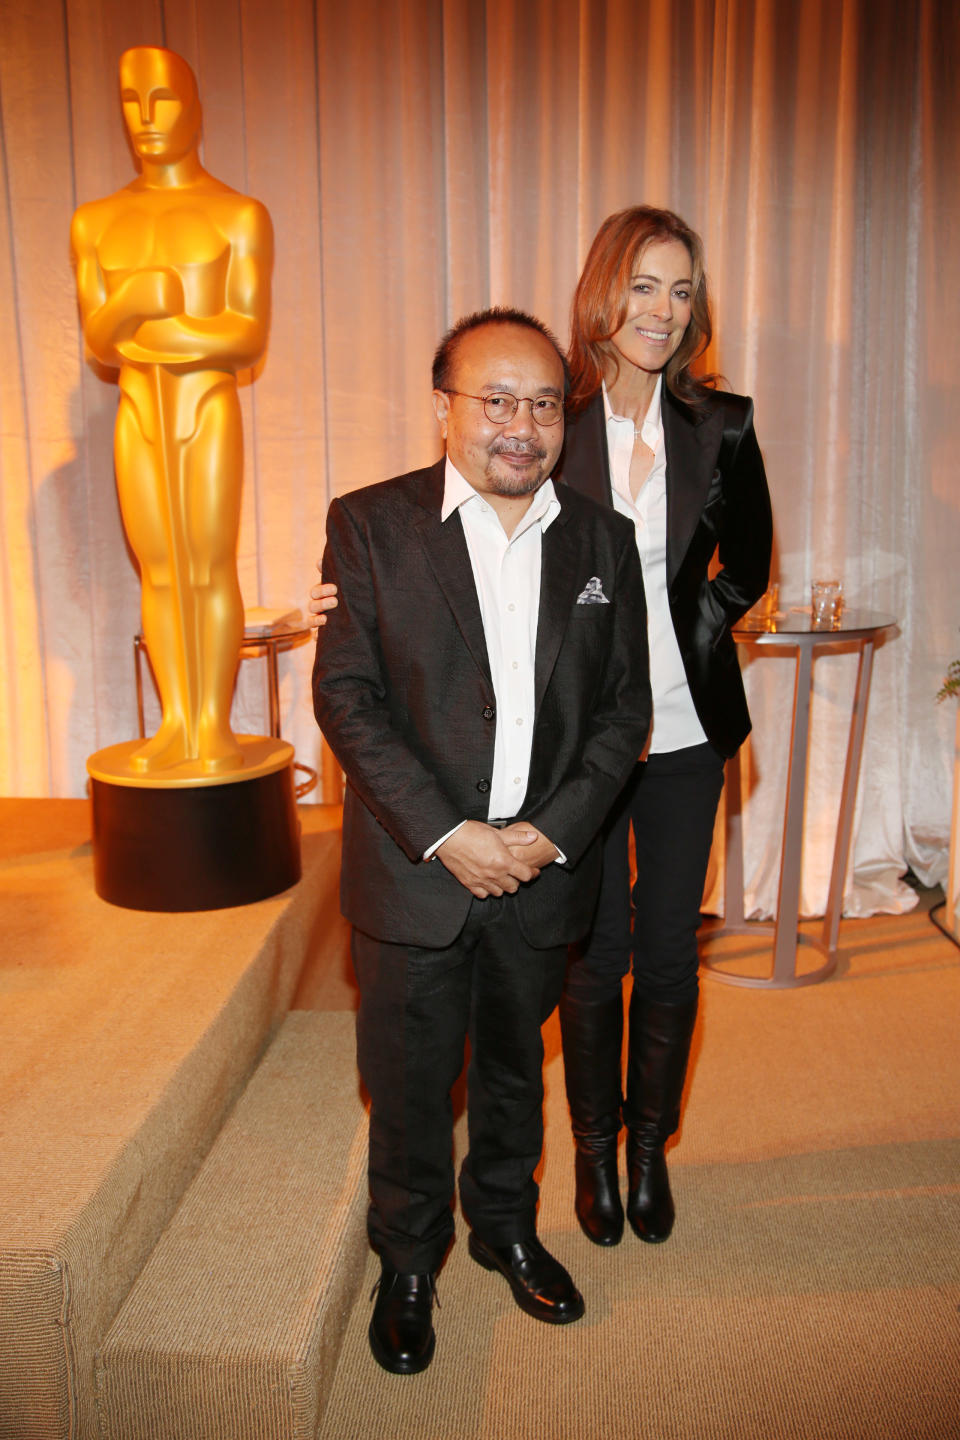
[671,801]
[417,1008]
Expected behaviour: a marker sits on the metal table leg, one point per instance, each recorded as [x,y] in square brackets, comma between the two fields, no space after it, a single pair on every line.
[273,690]
[733,848]
[788,900]
[138,674]
[848,798]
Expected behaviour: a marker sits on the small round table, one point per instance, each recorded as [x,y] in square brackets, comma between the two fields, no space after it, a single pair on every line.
[859,631]
[254,645]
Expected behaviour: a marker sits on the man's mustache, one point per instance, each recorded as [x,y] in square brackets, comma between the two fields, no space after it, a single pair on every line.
[518,447]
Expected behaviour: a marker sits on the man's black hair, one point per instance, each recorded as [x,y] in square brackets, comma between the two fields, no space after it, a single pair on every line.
[497,315]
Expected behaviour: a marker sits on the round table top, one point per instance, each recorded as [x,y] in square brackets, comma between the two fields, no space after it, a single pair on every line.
[795,627]
[275,637]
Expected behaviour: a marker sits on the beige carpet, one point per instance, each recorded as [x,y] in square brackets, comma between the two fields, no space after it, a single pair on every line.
[811,1290]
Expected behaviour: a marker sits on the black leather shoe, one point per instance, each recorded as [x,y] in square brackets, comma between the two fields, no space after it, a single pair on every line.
[539,1283]
[401,1333]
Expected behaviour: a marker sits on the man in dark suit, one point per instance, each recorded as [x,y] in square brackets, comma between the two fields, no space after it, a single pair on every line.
[484,684]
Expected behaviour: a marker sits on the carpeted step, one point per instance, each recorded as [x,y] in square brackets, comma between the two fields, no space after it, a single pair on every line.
[125,1039]
[233,1330]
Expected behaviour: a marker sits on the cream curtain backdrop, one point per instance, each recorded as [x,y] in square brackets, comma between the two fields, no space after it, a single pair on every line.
[423,159]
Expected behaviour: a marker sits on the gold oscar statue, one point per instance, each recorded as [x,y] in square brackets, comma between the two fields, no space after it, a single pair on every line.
[173,277]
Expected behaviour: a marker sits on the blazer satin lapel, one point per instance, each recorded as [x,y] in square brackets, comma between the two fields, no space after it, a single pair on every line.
[692,441]
[585,465]
[560,583]
[446,550]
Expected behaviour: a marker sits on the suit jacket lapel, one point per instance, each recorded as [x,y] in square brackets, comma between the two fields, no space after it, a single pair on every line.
[560,582]
[446,550]
[692,439]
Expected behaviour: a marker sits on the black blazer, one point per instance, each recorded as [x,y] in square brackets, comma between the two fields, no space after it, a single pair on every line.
[403,694]
[717,499]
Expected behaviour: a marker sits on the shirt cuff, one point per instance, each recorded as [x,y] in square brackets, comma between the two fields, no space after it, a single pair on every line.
[429,854]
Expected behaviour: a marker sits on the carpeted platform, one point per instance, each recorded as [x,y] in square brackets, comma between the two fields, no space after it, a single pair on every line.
[161,1119]
[125,1038]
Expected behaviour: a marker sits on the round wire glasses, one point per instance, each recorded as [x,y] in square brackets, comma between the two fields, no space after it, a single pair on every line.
[501,406]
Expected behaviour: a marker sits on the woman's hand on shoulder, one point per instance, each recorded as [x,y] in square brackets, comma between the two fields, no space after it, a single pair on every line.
[323,597]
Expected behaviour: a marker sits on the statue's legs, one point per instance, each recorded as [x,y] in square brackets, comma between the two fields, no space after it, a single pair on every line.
[213,474]
[142,487]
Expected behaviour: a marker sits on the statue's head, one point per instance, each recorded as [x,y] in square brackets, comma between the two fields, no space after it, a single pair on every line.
[161,107]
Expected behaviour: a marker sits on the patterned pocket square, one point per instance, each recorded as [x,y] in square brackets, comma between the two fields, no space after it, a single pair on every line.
[592,593]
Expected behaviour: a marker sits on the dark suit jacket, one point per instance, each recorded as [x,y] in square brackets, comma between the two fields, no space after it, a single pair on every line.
[403,694]
[716,497]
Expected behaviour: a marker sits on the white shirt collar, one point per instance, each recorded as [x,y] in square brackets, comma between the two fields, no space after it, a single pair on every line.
[457,491]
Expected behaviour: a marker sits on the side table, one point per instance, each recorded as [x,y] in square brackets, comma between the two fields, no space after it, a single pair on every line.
[254,646]
[859,631]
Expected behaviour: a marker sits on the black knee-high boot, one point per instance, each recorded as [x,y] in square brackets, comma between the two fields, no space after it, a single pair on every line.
[592,1039]
[659,1048]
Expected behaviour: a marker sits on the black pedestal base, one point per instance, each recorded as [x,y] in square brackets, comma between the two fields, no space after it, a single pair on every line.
[200,847]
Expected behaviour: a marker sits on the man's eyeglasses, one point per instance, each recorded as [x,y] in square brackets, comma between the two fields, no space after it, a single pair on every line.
[501,407]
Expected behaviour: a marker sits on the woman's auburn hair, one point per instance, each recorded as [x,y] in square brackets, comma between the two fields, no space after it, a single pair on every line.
[602,295]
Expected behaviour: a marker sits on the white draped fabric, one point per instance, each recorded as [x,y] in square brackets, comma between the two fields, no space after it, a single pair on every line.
[422,158]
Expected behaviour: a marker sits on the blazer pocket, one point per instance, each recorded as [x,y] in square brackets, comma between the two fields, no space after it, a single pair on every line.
[588,618]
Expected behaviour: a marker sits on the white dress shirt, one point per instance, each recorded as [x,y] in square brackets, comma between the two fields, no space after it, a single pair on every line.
[506,572]
[675,721]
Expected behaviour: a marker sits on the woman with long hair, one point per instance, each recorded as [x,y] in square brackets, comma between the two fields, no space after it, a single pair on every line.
[680,459]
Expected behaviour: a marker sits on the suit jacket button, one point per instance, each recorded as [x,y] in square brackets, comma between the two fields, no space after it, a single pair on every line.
[483,786]
[488,712]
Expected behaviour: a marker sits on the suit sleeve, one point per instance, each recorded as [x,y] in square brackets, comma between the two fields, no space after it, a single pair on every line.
[618,726]
[746,536]
[352,704]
